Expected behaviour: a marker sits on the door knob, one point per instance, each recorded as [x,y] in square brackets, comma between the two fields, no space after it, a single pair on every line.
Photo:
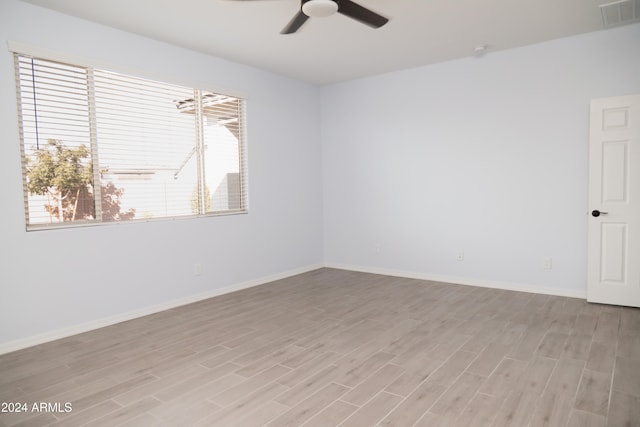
[597,213]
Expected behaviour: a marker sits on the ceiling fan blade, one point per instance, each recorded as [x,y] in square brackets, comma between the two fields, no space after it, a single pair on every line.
[295,23]
[361,14]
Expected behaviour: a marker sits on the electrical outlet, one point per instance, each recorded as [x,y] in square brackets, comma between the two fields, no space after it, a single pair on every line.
[197,269]
[377,248]
[460,256]
[547,263]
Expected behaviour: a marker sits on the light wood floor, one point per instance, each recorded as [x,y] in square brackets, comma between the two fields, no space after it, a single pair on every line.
[332,348]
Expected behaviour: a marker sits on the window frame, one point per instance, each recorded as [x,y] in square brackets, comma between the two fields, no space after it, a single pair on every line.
[26,50]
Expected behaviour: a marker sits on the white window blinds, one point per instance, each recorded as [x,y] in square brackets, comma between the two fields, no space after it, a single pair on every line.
[99,146]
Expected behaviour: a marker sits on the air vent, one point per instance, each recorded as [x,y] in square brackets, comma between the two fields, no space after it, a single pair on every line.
[620,12]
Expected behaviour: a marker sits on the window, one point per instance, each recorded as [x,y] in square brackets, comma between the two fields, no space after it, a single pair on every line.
[99,147]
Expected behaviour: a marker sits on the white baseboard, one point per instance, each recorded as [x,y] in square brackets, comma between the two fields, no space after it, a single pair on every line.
[33,340]
[519,287]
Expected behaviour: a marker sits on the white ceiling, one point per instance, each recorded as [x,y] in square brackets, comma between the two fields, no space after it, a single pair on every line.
[336,48]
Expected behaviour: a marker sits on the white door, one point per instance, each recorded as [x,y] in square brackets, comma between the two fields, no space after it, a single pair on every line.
[614,201]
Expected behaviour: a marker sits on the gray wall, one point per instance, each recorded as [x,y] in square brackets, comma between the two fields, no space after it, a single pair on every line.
[483,155]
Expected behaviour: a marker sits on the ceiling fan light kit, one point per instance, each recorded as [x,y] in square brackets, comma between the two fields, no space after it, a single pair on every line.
[319,8]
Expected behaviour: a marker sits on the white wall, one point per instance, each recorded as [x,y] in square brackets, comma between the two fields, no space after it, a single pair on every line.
[482,155]
[62,280]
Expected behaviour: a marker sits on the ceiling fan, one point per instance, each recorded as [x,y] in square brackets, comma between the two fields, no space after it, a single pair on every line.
[322,8]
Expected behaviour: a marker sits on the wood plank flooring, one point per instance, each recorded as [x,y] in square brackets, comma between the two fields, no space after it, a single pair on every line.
[334,347]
